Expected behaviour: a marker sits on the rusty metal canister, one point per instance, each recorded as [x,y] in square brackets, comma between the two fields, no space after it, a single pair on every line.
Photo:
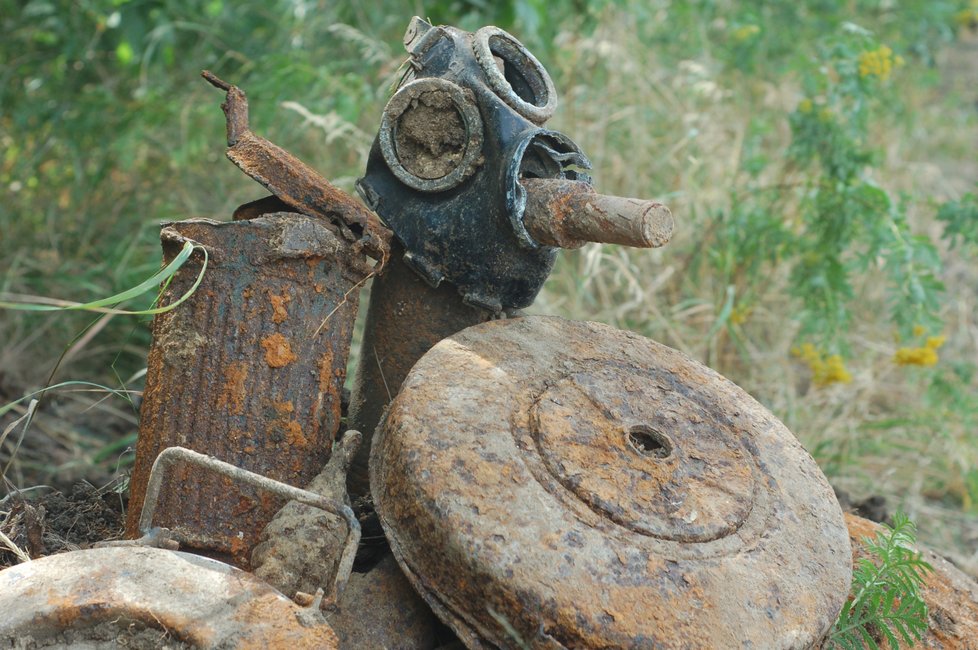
[248,370]
[557,484]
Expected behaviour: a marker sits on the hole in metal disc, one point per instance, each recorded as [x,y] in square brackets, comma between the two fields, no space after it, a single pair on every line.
[649,442]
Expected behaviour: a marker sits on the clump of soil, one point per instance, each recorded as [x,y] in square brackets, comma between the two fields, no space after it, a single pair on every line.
[120,633]
[58,522]
[430,136]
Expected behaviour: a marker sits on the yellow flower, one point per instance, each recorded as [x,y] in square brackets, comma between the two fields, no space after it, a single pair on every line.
[968,17]
[925,356]
[745,32]
[825,370]
[918,330]
[739,315]
[833,371]
[805,106]
[935,342]
[877,63]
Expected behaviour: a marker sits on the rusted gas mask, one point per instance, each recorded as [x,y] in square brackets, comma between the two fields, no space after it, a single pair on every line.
[462,129]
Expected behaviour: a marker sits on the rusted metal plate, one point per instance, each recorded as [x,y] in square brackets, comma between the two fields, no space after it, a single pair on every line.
[294,182]
[135,596]
[555,484]
[951,596]
[248,370]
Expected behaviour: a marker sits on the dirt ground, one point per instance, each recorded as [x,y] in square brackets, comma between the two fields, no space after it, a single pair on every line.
[57,521]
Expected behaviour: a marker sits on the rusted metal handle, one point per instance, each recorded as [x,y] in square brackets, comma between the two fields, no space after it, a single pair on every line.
[291,180]
[567,214]
[172,455]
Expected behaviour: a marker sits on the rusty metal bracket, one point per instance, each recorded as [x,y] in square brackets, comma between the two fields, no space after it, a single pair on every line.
[172,455]
[294,182]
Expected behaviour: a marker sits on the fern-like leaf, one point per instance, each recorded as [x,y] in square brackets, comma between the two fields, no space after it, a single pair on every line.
[885,603]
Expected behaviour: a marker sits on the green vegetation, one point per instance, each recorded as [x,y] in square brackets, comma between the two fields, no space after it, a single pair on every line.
[818,157]
[886,603]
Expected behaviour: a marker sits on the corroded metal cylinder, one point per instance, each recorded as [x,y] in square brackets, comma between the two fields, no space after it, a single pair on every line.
[557,484]
[569,214]
[248,370]
[405,318]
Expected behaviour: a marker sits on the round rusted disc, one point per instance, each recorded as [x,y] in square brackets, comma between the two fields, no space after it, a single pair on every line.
[550,484]
[149,597]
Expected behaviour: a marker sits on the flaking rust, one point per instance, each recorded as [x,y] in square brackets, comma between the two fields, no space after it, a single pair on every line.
[249,369]
[292,181]
[557,484]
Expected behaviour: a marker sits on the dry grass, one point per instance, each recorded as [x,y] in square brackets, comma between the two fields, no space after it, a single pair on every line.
[678,134]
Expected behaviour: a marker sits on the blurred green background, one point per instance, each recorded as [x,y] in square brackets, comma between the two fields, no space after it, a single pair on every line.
[819,157]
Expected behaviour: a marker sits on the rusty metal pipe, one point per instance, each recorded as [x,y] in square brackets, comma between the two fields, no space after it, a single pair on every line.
[568,214]
[405,318]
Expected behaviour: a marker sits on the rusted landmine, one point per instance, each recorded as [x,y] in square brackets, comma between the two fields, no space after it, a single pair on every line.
[149,598]
[556,484]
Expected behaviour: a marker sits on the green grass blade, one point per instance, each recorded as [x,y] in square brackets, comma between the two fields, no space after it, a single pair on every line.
[7,407]
[37,303]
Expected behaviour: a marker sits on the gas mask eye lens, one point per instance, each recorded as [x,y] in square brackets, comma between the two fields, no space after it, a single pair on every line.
[515,74]
[431,134]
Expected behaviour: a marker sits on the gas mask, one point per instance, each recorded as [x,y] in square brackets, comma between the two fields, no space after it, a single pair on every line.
[462,129]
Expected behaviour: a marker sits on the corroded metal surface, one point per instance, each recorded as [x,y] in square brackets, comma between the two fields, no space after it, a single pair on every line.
[336,553]
[379,609]
[244,371]
[294,182]
[182,598]
[405,318]
[455,138]
[568,214]
[555,484]
[951,596]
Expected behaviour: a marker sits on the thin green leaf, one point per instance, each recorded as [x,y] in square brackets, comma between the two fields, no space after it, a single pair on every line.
[39,303]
